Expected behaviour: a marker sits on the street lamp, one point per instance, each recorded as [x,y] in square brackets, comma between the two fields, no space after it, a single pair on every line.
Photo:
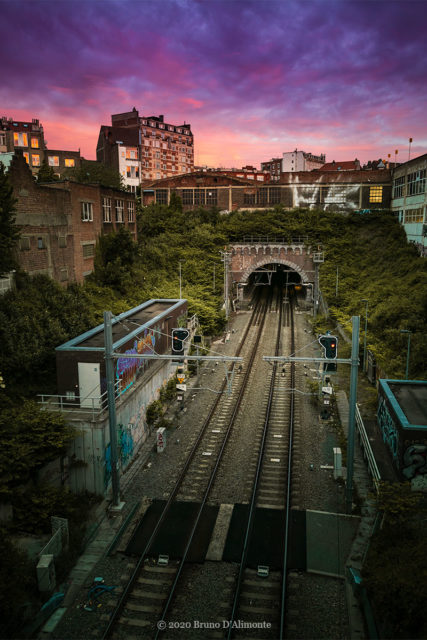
[408,351]
[366,331]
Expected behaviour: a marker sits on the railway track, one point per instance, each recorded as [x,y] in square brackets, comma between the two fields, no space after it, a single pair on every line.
[147,596]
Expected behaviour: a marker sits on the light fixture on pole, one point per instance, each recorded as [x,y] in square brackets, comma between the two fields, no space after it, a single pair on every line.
[409,153]
[408,350]
[366,331]
[395,157]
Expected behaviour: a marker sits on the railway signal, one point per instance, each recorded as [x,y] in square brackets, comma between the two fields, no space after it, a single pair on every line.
[178,338]
[329,344]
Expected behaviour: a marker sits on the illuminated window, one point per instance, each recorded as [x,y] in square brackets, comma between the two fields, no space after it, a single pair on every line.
[53,161]
[375,194]
[35,143]
[20,139]
[132,154]
[87,212]
[131,212]
[35,160]
[119,210]
[414,215]
[106,209]
[132,172]
[69,162]
[27,157]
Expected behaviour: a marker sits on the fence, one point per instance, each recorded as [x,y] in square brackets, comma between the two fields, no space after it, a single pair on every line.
[367,450]
[59,539]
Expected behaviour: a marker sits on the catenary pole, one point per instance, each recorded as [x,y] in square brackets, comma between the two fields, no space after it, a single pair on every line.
[109,365]
[352,411]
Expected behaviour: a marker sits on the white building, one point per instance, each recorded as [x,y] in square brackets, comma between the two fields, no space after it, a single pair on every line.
[129,166]
[301,161]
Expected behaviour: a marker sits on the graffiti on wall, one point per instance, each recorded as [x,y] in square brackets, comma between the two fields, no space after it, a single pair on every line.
[388,430]
[127,369]
[415,461]
[126,444]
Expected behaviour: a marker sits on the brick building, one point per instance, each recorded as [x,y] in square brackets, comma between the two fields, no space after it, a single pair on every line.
[333,191]
[245,173]
[151,147]
[348,165]
[28,137]
[61,221]
[274,167]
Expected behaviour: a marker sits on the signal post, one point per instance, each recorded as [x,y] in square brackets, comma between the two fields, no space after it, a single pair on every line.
[329,344]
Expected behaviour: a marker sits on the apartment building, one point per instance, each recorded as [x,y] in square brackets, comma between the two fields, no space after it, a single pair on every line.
[245,173]
[60,222]
[145,148]
[274,167]
[28,137]
[409,200]
[347,165]
[301,161]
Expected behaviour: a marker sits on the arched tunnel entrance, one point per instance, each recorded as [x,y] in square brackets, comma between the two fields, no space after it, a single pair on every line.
[274,274]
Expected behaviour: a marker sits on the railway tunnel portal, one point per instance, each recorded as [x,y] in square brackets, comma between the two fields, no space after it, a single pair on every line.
[254,261]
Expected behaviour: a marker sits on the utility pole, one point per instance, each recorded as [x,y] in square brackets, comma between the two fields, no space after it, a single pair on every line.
[225,258]
[352,411]
[366,332]
[180,281]
[109,366]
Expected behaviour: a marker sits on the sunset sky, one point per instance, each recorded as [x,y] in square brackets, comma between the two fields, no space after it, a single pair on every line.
[253,78]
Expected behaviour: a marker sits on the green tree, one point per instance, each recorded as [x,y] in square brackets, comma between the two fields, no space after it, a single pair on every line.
[46,173]
[90,172]
[114,258]
[9,233]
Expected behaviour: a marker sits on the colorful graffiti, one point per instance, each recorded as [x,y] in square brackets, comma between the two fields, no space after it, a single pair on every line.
[127,369]
[415,460]
[126,444]
[388,430]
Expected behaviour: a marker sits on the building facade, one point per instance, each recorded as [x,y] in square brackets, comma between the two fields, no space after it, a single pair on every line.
[409,200]
[163,149]
[60,222]
[348,165]
[332,191]
[294,161]
[28,137]
[274,167]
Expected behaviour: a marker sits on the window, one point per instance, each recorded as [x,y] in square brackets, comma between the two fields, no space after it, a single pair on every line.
[88,250]
[87,212]
[69,162]
[275,193]
[132,154]
[24,243]
[131,211]
[263,195]
[212,197]
[414,215]
[199,197]
[41,244]
[416,182]
[27,157]
[34,143]
[375,194]
[63,274]
[187,196]
[53,161]
[2,139]
[20,139]
[119,210]
[132,172]
[62,242]
[399,187]
[161,196]
[35,160]
[106,209]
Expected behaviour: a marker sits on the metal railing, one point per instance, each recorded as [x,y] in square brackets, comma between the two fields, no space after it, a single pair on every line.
[268,240]
[78,405]
[367,450]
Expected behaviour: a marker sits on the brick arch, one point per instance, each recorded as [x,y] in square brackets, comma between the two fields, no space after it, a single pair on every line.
[270,259]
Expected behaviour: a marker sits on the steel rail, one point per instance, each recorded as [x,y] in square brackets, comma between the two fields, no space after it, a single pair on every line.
[252,506]
[213,473]
[129,586]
